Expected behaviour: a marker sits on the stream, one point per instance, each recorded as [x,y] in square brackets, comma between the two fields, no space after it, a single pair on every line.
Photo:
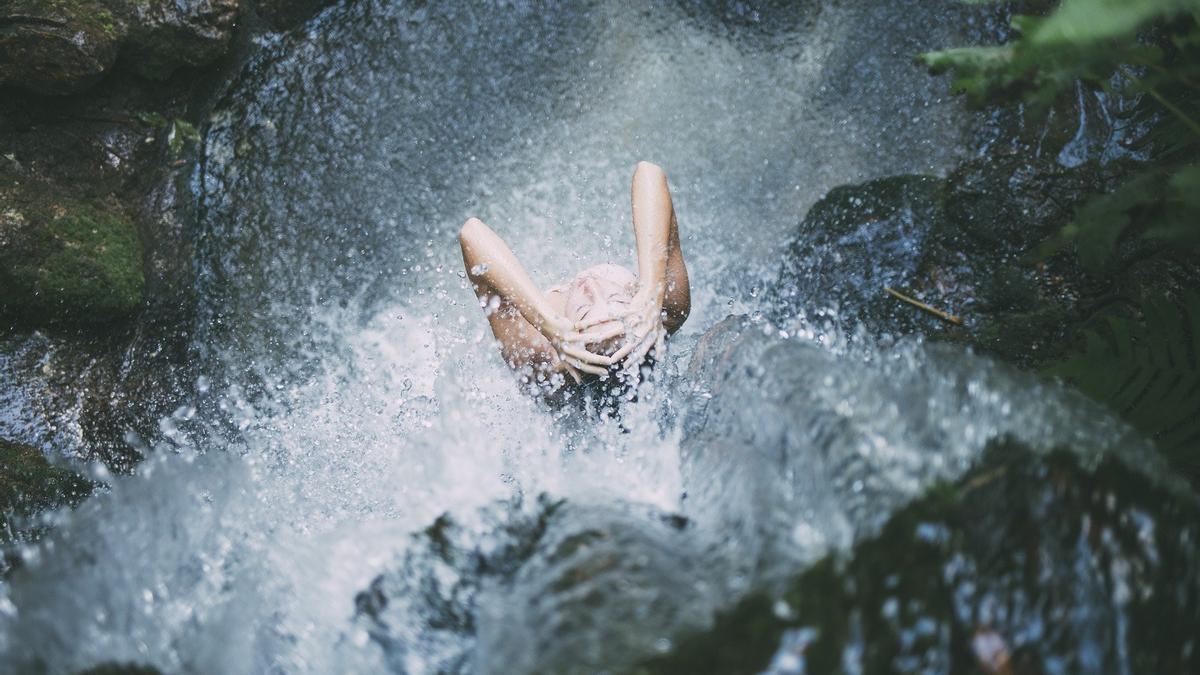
[357,485]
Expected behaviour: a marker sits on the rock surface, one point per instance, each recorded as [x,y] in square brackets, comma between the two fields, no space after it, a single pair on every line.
[562,587]
[29,485]
[65,46]
[165,35]
[57,46]
[1029,564]
[283,14]
[958,244]
[66,262]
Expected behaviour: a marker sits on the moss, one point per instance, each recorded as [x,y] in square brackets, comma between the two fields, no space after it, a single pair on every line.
[29,485]
[79,265]
[183,134]
[105,20]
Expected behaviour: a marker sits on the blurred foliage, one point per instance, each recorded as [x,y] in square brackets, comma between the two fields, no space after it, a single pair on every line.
[1147,370]
[1146,51]
[1145,366]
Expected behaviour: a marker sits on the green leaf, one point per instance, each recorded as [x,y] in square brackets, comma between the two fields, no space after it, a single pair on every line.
[1086,22]
[1147,371]
[1099,223]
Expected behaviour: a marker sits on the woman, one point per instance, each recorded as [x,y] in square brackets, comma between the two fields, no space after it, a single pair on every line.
[606,320]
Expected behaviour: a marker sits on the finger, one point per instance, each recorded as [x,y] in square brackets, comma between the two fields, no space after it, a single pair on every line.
[585,367]
[586,356]
[594,321]
[598,336]
[639,354]
[660,345]
[624,350]
[573,373]
[629,352]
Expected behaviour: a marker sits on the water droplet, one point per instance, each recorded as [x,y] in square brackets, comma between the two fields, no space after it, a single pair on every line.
[481,268]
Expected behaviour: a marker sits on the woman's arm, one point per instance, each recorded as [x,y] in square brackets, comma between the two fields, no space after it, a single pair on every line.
[663,299]
[529,329]
[492,266]
[662,275]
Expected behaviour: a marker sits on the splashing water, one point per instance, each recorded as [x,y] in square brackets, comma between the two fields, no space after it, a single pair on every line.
[352,391]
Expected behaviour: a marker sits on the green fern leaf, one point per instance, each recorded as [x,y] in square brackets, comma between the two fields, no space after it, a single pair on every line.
[1148,371]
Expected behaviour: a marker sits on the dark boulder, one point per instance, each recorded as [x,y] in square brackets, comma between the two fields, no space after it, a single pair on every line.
[165,35]
[561,587]
[282,14]
[856,240]
[958,244]
[57,47]
[1029,564]
[62,47]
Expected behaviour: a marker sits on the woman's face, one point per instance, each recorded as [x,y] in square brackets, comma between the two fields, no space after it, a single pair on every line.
[601,293]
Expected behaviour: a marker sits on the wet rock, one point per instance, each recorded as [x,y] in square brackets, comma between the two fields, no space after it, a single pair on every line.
[62,47]
[283,14]
[857,240]
[957,244]
[165,35]
[1029,564]
[565,588]
[605,585]
[792,449]
[57,46]
[88,366]
[63,261]
[29,485]
[115,668]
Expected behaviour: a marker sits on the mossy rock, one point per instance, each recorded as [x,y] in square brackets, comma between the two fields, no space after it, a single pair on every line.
[62,262]
[57,46]
[29,485]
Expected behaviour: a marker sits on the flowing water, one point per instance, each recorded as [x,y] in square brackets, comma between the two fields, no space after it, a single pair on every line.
[351,392]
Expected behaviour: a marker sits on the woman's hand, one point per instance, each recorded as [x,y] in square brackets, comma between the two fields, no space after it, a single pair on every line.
[643,328]
[569,340]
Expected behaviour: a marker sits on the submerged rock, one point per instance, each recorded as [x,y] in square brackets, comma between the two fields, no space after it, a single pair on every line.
[56,47]
[117,668]
[66,262]
[566,588]
[29,485]
[792,449]
[1029,564]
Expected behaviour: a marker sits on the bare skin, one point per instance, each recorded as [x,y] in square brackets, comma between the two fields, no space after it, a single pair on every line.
[530,324]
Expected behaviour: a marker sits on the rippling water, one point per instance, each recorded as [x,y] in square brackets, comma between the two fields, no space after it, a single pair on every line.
[352,392]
